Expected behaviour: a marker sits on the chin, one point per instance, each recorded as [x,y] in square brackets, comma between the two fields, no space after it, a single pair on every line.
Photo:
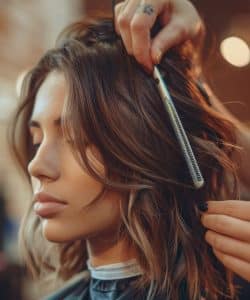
[57,232]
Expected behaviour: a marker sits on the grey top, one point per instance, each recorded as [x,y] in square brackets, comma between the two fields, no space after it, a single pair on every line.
[120,270]
[108,282]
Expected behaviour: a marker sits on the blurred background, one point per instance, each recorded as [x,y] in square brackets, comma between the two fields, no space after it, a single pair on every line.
[29,27]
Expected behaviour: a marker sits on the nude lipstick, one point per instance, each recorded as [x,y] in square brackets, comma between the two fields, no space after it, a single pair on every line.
[46,205]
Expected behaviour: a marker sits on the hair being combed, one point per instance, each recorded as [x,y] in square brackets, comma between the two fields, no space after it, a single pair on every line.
[114,104]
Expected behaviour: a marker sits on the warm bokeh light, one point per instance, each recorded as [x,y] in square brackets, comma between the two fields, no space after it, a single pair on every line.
[235,51]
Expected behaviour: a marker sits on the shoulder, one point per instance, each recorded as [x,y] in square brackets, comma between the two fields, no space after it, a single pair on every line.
[78,282]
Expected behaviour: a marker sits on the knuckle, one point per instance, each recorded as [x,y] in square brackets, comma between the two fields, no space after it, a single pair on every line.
[137,26]
[181,30]
[123,20]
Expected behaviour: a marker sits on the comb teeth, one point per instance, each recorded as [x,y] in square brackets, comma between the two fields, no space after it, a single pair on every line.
[181,135]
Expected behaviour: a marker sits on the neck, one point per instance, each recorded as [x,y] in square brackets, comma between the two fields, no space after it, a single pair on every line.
[103,251]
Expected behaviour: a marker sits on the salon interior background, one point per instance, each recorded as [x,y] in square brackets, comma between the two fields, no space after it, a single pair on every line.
[29,27]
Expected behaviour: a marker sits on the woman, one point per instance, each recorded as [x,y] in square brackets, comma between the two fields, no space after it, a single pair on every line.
[111,188]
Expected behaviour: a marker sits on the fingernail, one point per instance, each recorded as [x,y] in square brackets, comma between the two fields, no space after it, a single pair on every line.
[203,206]
[158,56]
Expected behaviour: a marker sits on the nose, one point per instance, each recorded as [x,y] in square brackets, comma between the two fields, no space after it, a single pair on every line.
[45,165]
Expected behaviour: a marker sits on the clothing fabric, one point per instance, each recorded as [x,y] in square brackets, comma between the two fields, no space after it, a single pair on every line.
[108,282]
[97,289]
[120,270]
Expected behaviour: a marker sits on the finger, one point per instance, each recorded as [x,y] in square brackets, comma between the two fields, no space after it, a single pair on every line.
[141,24]
[117,12]
[235,264]
[185,23]
[124,17]
[171,35]
[234,208]
[228,245]
[227,225]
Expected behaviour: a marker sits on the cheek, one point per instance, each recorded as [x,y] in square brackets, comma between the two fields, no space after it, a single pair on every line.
[82,188]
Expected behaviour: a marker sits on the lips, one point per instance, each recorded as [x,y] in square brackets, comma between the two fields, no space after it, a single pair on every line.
[46,205]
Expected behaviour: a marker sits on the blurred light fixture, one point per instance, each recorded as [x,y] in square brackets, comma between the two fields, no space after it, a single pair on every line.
[235,51]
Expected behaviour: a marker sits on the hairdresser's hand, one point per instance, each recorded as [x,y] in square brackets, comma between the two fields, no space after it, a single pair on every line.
[228,224]
[135,18]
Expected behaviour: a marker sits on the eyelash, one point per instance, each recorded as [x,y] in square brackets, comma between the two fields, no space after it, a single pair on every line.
[36,146]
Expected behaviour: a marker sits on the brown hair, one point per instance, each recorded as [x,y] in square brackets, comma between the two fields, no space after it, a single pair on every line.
[114,104]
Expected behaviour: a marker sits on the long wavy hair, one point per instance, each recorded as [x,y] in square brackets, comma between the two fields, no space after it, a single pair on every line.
[114,104]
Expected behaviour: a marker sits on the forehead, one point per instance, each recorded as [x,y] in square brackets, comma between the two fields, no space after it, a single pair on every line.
[50,97]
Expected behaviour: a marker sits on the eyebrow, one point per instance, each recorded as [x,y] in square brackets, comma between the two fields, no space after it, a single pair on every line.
[36,124]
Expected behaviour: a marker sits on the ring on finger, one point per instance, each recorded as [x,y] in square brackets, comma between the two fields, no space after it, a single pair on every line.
[145,8]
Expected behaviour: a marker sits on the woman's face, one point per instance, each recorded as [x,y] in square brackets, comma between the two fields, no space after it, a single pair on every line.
[55,172]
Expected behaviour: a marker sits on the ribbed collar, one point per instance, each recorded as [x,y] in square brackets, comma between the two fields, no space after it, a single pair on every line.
[119,270]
